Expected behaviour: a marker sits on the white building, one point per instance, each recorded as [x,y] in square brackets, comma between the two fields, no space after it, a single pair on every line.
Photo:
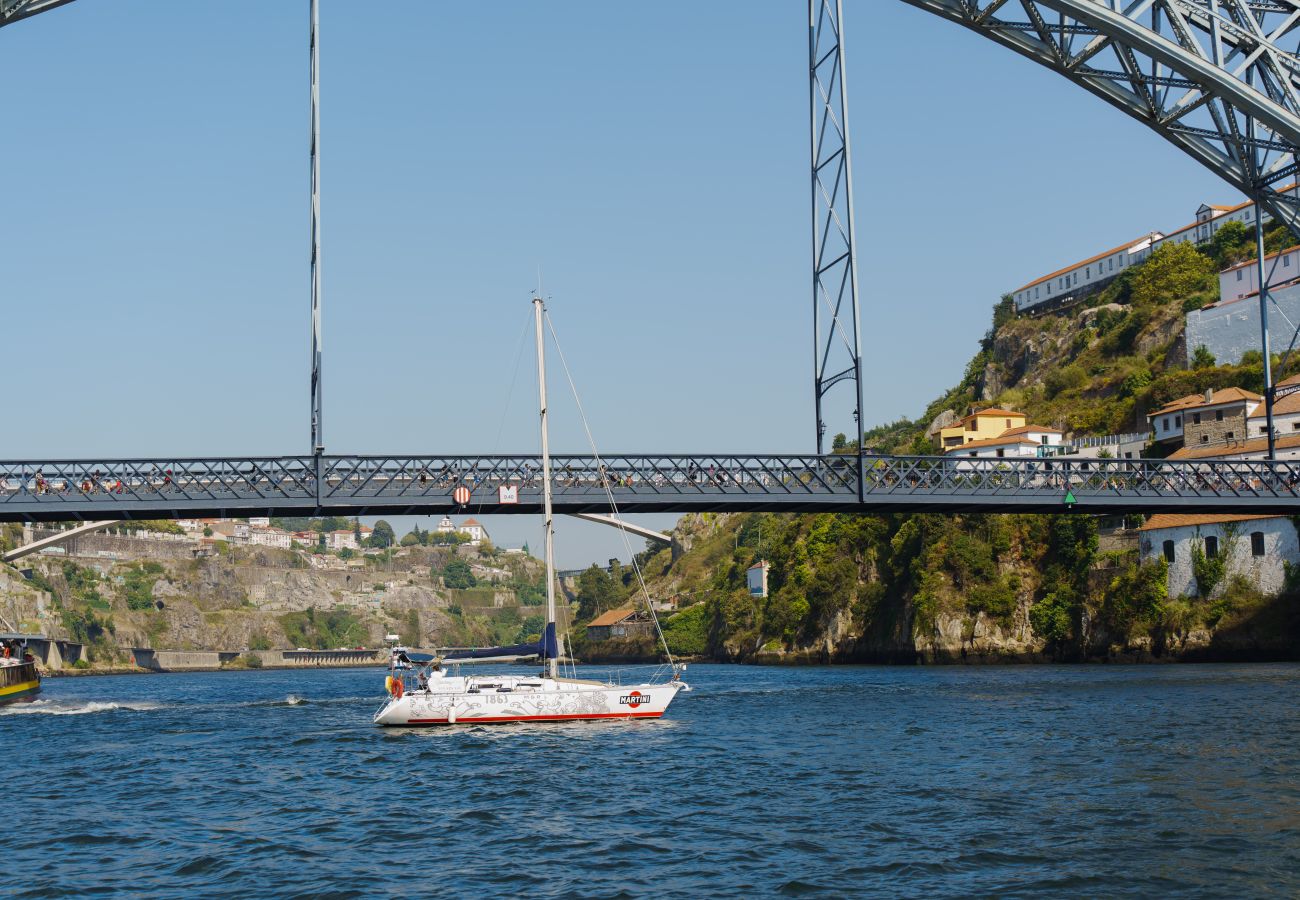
[269,537]
[1086,276]
[1257,547]
[1096,271]
[1242,280]
[1286,417]
[1026,441]
[474,530]
[229,531]
[259,521]
[341,540]
[446,526]
[756,578]
[1114,446]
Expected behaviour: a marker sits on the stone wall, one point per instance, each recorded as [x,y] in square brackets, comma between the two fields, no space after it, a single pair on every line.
[1211,430]
[1228,330]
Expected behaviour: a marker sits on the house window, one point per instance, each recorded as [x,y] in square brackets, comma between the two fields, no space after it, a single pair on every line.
[1205,439]
[1001,452]
[1169,551]
[1178,421]
[1211,547]
[1196,418]
[1008,423]
[1230,435]
[1240,272]
[1218,415]
[972,453]
[1286,262]
[1257,543]
[1088,272]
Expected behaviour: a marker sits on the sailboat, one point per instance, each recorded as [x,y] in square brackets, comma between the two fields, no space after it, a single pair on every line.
[429,689]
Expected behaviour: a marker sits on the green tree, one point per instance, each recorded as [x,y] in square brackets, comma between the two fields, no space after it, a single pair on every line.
[1203,358]
[1231,244]
[383,536]
[596,593]
[458,574]
[410,539]
[1172,272]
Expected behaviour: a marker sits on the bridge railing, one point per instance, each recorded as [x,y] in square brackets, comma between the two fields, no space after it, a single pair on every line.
[108,488]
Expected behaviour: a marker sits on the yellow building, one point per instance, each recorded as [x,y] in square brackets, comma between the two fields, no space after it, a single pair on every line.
[980,426]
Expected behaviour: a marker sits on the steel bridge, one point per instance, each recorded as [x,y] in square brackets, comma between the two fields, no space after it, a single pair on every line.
[1219,79]
[364,485]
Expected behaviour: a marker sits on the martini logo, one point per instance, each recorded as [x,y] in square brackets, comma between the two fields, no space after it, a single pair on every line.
[636,698]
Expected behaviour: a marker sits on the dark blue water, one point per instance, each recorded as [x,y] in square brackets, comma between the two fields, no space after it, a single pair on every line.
[823,782]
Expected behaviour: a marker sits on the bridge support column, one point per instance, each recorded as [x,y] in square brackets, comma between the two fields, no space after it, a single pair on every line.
[837,352]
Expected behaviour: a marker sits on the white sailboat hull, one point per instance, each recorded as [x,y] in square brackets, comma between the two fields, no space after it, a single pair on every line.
[536,700]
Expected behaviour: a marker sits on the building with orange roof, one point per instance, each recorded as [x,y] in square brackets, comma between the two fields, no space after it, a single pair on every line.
[1205,420]
[619,623]
[1286,446]
[1286,416]
[980,425]
[1258,548]
[1021,441]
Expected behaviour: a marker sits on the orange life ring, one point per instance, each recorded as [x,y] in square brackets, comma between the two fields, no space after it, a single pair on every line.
[398,689]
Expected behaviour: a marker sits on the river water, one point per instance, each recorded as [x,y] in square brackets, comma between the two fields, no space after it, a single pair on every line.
[853,781]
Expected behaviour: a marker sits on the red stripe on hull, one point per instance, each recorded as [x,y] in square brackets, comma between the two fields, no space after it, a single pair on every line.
[564,718]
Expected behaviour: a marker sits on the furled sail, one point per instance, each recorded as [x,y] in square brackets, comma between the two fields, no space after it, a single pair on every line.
[546,648]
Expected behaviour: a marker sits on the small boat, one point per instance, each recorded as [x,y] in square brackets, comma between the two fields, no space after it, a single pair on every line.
[19,679]
[421,690]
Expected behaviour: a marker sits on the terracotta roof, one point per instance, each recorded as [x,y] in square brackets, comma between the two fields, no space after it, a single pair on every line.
[1252,262]
[1089,260]
[1254,445]
[1288,382]
[1025,429]
[1180,520]
[613,617]
[1180,403]
[995,411]
[993,442]
[471,522]
[1198,401]
[1285,406]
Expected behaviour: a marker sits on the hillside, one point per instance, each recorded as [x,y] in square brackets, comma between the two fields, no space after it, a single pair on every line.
[905,588]
[112,592]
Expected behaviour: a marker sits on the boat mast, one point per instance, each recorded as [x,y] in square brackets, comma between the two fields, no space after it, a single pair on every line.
[551,663]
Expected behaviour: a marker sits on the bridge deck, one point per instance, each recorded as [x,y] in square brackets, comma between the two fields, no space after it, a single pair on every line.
[396,485]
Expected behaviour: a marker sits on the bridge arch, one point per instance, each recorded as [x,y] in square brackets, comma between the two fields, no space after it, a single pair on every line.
[1212,77]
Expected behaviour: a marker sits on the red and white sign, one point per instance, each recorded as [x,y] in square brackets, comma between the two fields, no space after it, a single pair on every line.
[461,496]
[508,493]
[634,699]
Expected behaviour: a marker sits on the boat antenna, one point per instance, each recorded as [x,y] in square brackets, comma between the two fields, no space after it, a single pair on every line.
[539,309]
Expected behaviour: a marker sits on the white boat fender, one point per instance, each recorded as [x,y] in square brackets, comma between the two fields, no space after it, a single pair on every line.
[451,715]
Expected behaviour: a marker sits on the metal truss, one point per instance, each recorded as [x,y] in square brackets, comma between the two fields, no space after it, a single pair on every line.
[1219,79]
[16,10]
[837,352]
[95,490]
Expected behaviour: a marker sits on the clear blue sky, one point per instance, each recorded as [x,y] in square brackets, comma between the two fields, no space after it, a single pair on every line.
[649,159]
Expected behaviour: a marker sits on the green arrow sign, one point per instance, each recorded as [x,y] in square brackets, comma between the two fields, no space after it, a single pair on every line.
[1069,498]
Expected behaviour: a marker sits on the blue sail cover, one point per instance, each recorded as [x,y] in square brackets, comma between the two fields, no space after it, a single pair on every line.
[547,648]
